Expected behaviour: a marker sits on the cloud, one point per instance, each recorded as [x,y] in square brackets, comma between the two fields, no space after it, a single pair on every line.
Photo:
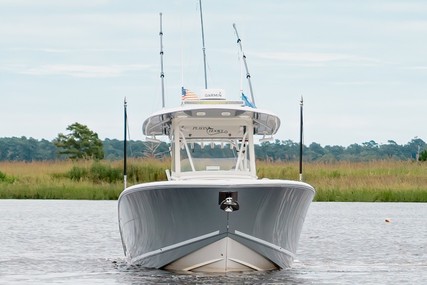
[50,3]
[84,71]
[69,50]
[314,57]
[401,7]
[300,56]
[83,30]
[354,83]
[418,67]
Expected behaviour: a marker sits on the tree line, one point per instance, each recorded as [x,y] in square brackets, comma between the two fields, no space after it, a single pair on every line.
[287,150]
[83,143]
[30,149]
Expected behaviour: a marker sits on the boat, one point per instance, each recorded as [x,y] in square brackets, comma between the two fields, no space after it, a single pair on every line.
[213,214]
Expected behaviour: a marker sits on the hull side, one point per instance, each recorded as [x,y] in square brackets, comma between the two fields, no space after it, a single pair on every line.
[161,223]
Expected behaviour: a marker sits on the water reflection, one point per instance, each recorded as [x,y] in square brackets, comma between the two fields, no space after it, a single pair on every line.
[136,274]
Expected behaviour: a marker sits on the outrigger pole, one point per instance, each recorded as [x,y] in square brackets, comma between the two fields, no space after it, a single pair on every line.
[203,44]
[248,75]
[162,75]
[301,139]
[125,146]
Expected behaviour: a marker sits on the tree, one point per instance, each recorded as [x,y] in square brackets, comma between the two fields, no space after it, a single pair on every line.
[315,151]
[334,151]
[81,143]
[412,148]
[423,155]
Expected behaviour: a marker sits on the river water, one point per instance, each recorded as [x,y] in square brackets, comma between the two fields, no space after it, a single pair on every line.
[78,242]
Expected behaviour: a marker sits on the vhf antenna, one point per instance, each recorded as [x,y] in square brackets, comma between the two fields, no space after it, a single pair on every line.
[301,138]
[125,144]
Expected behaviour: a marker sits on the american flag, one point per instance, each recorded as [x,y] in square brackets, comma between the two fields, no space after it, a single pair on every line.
[188,95]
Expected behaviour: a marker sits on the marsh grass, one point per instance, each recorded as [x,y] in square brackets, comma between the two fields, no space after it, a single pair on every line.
[377,181]
[74,180]
[385,181]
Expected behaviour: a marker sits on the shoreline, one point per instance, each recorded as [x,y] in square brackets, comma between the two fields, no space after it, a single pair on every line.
[375,181]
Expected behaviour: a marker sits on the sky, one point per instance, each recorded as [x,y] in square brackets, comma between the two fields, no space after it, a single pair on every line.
[360,66]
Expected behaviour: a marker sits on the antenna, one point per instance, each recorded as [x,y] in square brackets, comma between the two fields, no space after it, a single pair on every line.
[125,145]
[203,44]
[248,75]
[162,75]
[301,139]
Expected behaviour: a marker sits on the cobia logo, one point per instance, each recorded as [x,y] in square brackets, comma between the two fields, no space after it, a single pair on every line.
[211,131]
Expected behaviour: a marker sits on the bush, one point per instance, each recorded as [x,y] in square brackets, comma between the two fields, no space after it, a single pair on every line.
[104,173]
[145,172]
[6,178]
[97,173]
[77,173]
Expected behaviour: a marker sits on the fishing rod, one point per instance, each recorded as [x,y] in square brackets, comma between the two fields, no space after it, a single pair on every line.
[203,44]
[248,75]
[162,75]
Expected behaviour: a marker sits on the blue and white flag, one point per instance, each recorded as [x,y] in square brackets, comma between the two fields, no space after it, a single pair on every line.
[247,102]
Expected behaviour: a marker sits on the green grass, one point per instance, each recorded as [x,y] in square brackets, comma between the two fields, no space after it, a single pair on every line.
[67,180]
[378,181]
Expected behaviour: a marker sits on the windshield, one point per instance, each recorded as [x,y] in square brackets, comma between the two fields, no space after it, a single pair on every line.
[214,156]
[207,146]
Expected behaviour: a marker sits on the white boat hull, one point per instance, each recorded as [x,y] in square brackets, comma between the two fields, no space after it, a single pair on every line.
[179,225]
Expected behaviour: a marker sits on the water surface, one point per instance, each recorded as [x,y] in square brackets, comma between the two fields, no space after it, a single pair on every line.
[78,242]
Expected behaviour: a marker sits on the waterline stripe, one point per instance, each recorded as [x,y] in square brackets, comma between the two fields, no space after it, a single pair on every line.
[173,246]
[266,243]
